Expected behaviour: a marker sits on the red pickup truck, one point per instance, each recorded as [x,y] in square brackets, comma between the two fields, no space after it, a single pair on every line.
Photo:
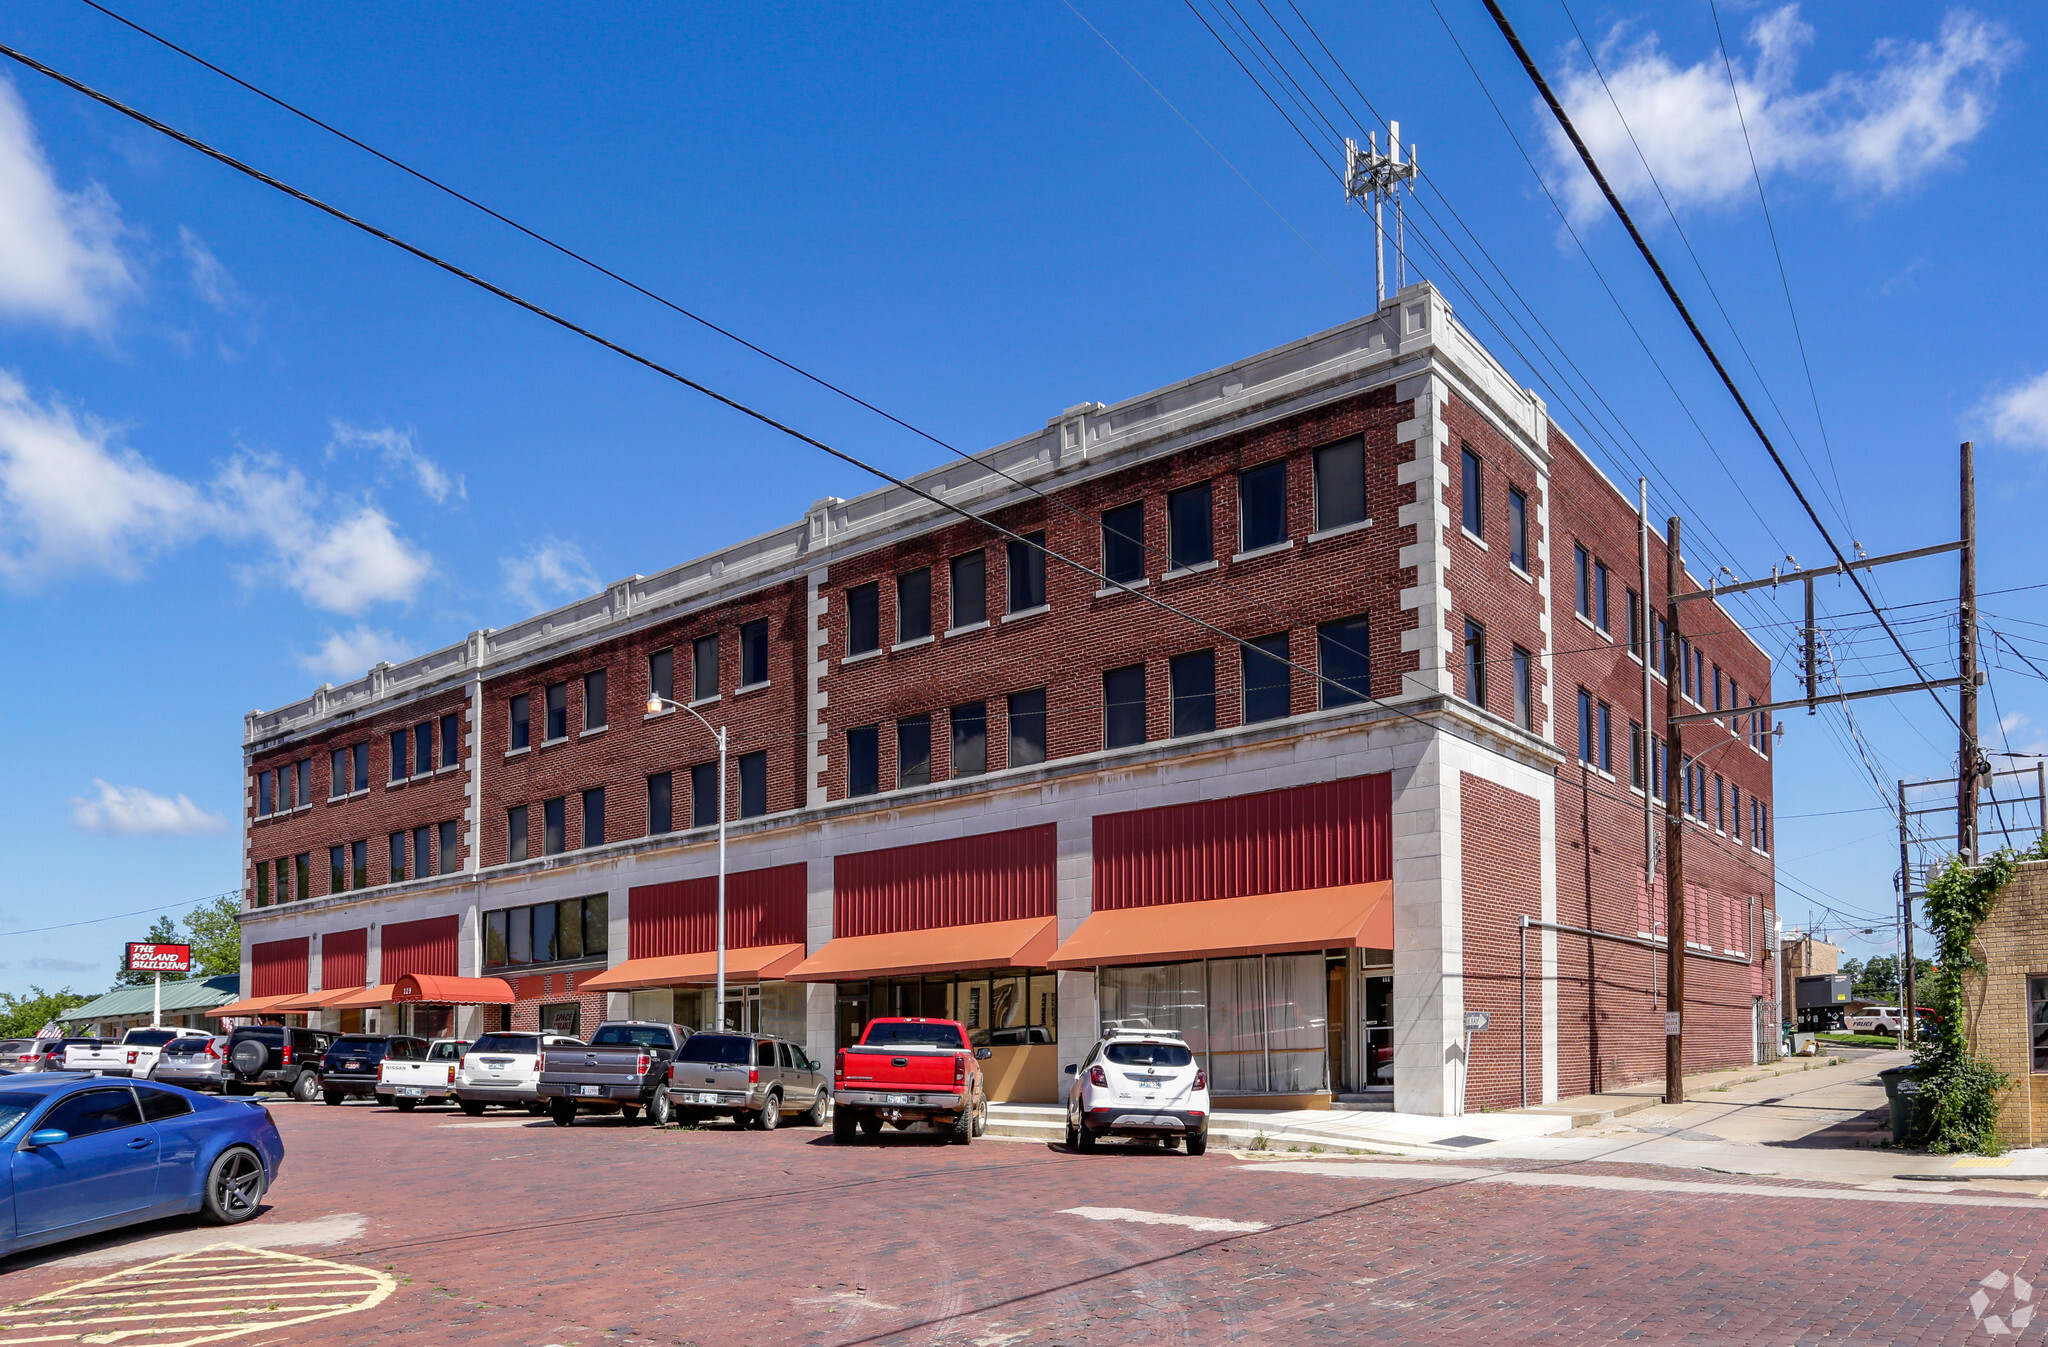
[910,1070]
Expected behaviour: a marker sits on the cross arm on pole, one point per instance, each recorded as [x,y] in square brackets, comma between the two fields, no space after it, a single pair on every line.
[1857,695]
[1794,577]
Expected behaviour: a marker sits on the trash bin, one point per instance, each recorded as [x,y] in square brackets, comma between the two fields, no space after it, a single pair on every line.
[1909,1105]
[1892,1076]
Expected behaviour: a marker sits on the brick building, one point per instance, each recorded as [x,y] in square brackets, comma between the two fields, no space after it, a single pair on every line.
[2006,1003]
[969,779]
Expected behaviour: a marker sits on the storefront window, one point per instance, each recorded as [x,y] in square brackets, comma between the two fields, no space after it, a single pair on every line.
[1259,1025]
[1007,1008]
[563,1018]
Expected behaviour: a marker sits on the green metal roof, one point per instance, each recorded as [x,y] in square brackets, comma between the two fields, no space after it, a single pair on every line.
[184,995]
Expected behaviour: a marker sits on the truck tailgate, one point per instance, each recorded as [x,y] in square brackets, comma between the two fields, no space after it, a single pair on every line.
[594,1066]
[901,1067]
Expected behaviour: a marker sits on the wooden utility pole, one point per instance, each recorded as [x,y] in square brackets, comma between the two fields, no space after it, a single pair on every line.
[1674,832]
[1967,757]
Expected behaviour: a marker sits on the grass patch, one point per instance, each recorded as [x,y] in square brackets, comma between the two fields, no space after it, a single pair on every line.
[1859,1040]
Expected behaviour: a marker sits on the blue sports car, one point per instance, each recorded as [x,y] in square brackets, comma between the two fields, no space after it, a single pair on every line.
[83,1154]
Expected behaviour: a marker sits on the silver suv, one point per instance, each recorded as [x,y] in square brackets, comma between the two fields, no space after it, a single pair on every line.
[746,1077]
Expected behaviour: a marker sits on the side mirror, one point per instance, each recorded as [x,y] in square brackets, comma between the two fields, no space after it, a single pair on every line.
[983,1054]
[48,1136]
[1071,1067]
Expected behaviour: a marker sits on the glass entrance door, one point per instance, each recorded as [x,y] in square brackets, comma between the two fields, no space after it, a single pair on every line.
[1378,1029]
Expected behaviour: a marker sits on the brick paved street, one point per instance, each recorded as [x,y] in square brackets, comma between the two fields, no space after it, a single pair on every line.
[509,1231]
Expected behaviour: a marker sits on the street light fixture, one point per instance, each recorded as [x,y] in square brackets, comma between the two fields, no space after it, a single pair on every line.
[656,704]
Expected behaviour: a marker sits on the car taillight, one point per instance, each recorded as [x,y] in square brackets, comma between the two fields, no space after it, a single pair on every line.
[959,1069]
[132,1056]
[211,1050]
[839,1068]
[645,1062]
[540,1061]
[287,1054]
[451,1075]
[753,1075]
[1095,1077]
[1201,1079]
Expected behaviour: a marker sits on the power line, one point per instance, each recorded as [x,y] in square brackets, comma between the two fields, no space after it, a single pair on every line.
[139,912]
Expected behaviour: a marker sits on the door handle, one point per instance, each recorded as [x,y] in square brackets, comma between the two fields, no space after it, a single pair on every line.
[138,1143]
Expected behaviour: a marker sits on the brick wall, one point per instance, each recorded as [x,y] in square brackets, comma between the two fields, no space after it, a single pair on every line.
[1485,584]
[1503,882]
[2014,940]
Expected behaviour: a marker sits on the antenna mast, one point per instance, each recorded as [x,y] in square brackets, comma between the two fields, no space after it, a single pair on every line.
[1380,177]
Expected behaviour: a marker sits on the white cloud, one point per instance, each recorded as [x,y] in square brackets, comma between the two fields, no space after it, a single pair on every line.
[397,450]
[72,498]
[1877,131]
[341,562]
[346,654]
[2017,720]
[128,811]
[59,251]
[550,571]
[210,280]
[2019,415]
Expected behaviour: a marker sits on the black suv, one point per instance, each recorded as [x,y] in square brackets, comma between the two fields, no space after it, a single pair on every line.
[354,1062]
[275,1056]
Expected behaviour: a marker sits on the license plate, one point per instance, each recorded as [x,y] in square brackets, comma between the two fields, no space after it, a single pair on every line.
[411,1091]
[896,1098]
[703,1098]
[589,1089]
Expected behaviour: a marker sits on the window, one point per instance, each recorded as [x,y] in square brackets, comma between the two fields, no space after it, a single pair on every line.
[1585,727]
[1735,812]
[266,786]
[704,668]
[2037,1020]
[864,760]
[1518,529]
[398,849]
[1123,706]
[1027,572]
[1123,542]
[1190,539]
[661,675]
[284,880]
[1604,743]
[754,651]
[1262,664]
[593,817]
[361,755]
[1734,701]
[704,795]
[263,883]
[594,709]
[1635,623]
[552,814]
[1343,657]
[306,782]
[1471,515]
[337,869]
[1600,609]
[451,848]
[423,850]
[359,864]
[423,748]
[451,739]
[522,728]
[1193,683]
[1475,663]
[1660,658]
[1262,507]
[914,751]
[1582,567]
[970,589]
[1720,804]
[914,605]
[1635,755]
[303,879]
[91,1112]
[558,713]
[399,755]
[572,928]
[660,803]
[515,833]
[1685,669]
[1027,727]
[968,723]
[1525,702]
[1340,484]
[337,774]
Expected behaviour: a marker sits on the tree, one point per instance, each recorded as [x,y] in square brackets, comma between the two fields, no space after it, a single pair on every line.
[164,932]
[22,1016]
[1877,977]
[216,936]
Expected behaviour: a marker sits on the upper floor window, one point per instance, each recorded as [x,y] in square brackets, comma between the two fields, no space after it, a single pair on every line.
[1123,543]
[864,760]
[1027,572]
[1475,663]
[1585,727]
[704,668]
[451,739]
[400,759]
[305,775]
[423,748]
[914,750]
[594,709]
[1193,678]
[1340,484]
[1265,674]
[661,675]
[593,817]
[1344,659]
[1027,727]
[558,712]
[1518,528]
[1600,596]
[570,928]
[968,725]
[1525,700]
[515,833]
[1582,575]
[266,786]
[1262,507]
[1123,706]
[1635,623]
[704,799]
[969,583]
[661,803]
[914,604]
[1190,535]
[1470,513]
[754,652]
[753,768]
[553,826]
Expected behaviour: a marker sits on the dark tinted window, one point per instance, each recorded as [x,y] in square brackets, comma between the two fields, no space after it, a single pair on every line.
[754,652]
[593,817]
[569,929]
[764,1054]
[160,1104]
[1123,542]
[398,755]
[661,674]
[1123,706]
[552,814]
[544,950]
[1027,572]
[1193,676]
[753,784]
[515,833]
[1027,727]
[522,728]
[1343,658]
[970,589]
[594,699]
[451,849]
[451,740]
[863,760]
[886,1035]
[1148,1054]
[506,1043]
[863,618]
[558,711]
[264,792]
[969,726]
[423,748]
[661,802]
[1262,506]
[519,934]
[91,1111]
[704,795]
[1471,515]
[704,668]
[631,1036]
[715,1049]
[362,757]
[1265,678]
[1518,528]
[149,1038]
[1340,485]
[1190,539]
[914,751]
[914,605]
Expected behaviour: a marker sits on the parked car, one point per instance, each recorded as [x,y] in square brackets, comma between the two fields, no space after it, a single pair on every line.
[910,1070]
[46,1054]
[504,1068]
[87,1154]
[277,1057]
[135,1055]
[1887,1020]
[196,1063]
[746,1077]
[407,1080]
[1144,1085]
[354,1064]
[16,1054]
[621,1070]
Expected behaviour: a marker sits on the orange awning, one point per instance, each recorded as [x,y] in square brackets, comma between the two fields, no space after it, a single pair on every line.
[757,963]
[379,995]
[943,949]
[252,1005]
[1350,916]
[313,1000]
[428,989]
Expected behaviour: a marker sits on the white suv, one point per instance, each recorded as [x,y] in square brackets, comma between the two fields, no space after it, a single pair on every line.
[503,1067]
[1142,1084]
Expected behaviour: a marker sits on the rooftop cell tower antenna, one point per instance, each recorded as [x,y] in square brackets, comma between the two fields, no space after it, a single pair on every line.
[1370,174]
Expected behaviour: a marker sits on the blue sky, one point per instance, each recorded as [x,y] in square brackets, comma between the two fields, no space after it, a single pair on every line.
[244,450]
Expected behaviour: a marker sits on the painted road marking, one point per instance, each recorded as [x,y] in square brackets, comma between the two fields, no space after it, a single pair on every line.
[167,1304]
[1622,1184]
[341,1228]
[1161,1218]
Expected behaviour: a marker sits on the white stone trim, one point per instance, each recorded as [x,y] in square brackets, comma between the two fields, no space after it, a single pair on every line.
[1430,598]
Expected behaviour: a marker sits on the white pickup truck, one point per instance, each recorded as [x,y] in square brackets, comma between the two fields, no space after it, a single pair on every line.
[503,1067]
[135,1055]
[406,1081]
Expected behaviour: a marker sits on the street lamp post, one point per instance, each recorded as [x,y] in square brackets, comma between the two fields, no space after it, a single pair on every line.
[656,703]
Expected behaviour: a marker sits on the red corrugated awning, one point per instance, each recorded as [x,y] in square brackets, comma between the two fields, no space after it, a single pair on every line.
[252,1005]
[379,995]
[942,949]
[428,989]
[757,963]
[1359,916]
